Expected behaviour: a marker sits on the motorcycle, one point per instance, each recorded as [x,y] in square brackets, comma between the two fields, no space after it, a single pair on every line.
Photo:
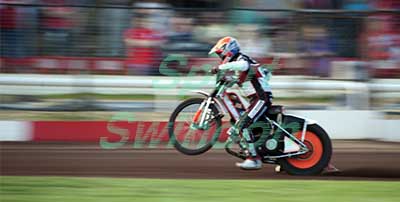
[298,145]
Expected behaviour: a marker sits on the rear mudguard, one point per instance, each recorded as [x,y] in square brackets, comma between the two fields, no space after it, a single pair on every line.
[294,124]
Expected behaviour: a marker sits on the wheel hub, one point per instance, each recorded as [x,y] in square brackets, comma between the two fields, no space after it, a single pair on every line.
[310,150]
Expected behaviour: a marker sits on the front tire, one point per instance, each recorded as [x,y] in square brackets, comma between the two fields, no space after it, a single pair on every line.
[314,161]
[180,131]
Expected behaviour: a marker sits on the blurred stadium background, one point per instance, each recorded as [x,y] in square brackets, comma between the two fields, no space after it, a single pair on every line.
[82,70]
[87,59]
[106,37]
[345,40]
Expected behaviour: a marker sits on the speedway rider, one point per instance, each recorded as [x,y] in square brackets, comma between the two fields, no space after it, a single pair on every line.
[253,79]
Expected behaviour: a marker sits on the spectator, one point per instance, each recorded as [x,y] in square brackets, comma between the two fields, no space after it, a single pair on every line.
[252,41]
[8,29]
[394,52]
[319,4]
[181,39]
[159,17]
[84,44]
[57,24]
[143,46]
[246,16]
[283,37]
[213,27]
[380,42]
[316,47]
[112,22]
[18,35]
[182,30]
[27,20]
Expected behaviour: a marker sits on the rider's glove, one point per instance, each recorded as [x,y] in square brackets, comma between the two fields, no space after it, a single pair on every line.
[214,70]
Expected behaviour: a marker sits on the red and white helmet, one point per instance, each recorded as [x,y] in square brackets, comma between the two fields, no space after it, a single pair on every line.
[226,47]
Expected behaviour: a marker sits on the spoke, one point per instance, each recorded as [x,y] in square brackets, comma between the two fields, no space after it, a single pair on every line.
[189,138]
[194,138]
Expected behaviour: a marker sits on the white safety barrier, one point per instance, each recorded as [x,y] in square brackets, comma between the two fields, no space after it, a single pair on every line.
[356,94]
[15,131]
[355,124]
[50,84]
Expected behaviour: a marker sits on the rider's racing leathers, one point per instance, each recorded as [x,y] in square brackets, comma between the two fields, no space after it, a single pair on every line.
[253,80]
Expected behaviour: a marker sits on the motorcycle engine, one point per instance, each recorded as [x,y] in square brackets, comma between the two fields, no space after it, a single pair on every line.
[271,145]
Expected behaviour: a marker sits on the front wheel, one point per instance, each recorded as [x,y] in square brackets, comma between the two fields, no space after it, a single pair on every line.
[188,137]
[316,159]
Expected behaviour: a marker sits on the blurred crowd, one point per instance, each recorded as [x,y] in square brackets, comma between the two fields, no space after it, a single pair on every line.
[142,33]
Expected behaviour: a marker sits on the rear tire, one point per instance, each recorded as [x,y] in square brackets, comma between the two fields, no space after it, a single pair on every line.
[314,161]
[174,133]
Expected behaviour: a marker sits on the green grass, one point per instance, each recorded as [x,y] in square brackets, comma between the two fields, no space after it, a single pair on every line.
[60,189]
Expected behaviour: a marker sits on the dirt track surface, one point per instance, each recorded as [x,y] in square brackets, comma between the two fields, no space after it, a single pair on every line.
[357,160]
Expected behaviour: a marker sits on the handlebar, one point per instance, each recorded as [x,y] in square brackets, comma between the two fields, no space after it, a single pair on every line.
[228,80]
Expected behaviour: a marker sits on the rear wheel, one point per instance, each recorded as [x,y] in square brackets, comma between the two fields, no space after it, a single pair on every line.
[316,159]
[183,131]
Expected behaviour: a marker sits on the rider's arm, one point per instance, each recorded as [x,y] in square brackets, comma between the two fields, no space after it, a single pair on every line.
[240,65]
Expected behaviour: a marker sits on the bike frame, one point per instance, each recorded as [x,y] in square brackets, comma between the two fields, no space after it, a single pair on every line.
[220,98]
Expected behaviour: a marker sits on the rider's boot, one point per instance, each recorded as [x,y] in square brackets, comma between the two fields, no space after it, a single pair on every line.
[253,161]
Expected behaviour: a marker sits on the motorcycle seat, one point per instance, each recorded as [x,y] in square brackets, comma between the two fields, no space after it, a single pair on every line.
[275,109]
